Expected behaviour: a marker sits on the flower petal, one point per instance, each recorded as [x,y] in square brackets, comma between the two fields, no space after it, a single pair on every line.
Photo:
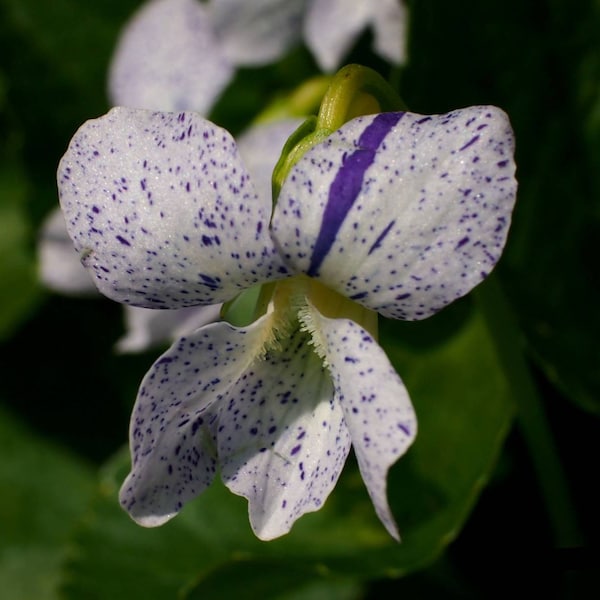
[375,403]
[162,210]
[257,32]
[172,431]
[147,328]
[59,265]
[282,439]
[260,148]
[168,58]
[390,24]
[331,28]
[401,212]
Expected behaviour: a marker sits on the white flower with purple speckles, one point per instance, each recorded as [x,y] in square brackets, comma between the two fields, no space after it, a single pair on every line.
[182,54]
[394,213]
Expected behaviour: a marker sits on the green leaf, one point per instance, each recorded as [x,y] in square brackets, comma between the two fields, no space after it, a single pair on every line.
[248,579]
[464,409]
[43,491]
[452,370]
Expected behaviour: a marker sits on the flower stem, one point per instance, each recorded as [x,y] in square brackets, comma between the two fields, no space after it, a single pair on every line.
[532,418]
[356,90]
[301,102]
[353,91]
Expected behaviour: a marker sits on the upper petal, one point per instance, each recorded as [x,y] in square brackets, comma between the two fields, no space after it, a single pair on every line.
[282,439]
[168,58]
[172,430]
[401,212]
[374,401]
[162,210]
[332,26]
[257,32]
[59,264]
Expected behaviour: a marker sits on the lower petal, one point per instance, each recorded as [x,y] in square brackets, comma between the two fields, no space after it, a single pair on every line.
[282,438]
[172,431]
[376,406]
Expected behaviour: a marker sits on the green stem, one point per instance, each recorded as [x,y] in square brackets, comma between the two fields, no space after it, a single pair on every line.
[352,91]
[532,417]
[302,101]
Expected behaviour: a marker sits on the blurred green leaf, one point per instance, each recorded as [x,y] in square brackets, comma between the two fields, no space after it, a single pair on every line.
[464,410]
[461,394]
[43,491]
[74,38]
[55,56]
[18,276]
[546,79]
[272,580]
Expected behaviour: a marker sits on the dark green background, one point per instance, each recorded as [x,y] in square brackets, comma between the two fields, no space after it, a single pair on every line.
[65,396]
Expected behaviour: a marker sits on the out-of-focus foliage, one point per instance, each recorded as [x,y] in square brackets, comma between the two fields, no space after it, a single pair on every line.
[64,397]
[18,280]
[539,61]
[44,492]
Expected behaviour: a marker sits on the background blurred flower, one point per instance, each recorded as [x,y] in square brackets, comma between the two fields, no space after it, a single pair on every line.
[182,54]
[331,27]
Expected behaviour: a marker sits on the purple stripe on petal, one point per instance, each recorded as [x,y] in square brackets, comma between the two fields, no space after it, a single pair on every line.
[381,237]
[469,143]
[347,184]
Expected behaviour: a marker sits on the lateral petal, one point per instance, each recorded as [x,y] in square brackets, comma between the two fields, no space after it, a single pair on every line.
[401,212]
[168,58]
[162,211]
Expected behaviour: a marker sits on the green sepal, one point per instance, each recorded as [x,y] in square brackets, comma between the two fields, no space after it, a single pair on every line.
[240,311]
[248,306]
[301,141]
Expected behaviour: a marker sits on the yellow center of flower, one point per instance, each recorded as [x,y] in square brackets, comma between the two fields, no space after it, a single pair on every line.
[290,304]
